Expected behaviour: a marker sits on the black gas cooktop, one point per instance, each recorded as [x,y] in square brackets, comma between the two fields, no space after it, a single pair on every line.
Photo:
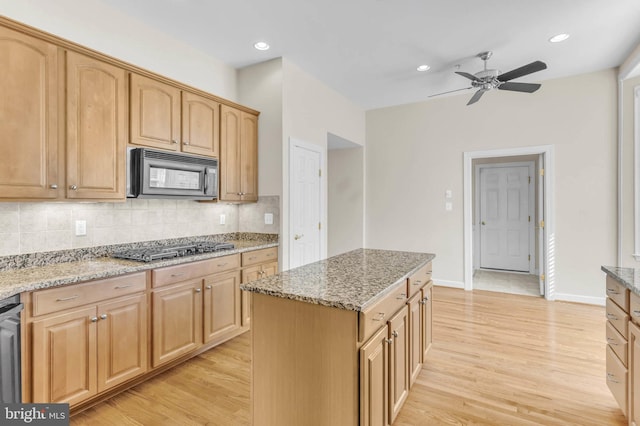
[148,254]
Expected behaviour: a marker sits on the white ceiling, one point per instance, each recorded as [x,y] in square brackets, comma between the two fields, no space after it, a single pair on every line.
[368,50]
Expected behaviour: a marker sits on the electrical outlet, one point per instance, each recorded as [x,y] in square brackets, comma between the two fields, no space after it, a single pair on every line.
[81,227]
[223,219]
[448,206]
[268,218]
[448,194]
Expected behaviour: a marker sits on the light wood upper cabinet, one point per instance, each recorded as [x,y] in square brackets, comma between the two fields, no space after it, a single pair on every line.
[155,113]
[200,125]
[29,153]
[238,155]
[96,128]
[222,305]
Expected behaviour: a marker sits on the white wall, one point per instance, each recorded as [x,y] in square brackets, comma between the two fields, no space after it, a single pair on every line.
[345,180]
[96,25]
[415,152]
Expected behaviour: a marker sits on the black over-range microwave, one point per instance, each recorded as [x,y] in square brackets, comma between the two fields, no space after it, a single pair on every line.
[158,174]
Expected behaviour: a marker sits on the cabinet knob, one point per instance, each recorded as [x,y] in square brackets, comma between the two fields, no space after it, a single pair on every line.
[401,296]
[198,290]
[208,287]
[53,186]
[380,317]
[612,317]
[94,319]
[636,313]
[389,341]
[394,333]
[611,341]
[612,378]
[185,142]
[175,142]
[103,316]
[73,187]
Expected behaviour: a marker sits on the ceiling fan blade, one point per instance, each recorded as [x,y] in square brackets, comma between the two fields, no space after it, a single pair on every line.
[522,71]
[476,96]
[520,87]
[467,75]
[450,91]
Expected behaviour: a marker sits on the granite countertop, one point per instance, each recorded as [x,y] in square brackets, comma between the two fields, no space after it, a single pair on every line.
[629,277]
[351,281]
[18,280]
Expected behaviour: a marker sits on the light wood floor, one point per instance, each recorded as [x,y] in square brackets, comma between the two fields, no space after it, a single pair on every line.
[497,359]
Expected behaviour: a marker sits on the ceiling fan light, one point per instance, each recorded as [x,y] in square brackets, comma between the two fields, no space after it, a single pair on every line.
[423,68]
[559,37]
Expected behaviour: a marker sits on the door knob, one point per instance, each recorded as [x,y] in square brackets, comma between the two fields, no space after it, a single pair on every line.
[483,222]
[297,237]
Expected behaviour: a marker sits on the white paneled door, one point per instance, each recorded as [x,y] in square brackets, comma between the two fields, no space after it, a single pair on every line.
[305,205]
[505,218]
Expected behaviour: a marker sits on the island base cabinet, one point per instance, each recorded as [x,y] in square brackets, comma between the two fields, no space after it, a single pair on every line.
[634,374]
[398,362]
[374,380]
[304,363]
[617,379]
[426,312]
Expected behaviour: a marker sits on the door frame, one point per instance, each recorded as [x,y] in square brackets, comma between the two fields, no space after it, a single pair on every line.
[532,208]
[547,263]
[295,144]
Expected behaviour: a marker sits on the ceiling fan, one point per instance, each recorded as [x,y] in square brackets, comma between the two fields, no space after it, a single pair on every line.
[489,79]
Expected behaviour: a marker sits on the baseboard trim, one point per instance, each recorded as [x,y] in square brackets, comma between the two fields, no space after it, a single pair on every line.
[447,283]
[589,300]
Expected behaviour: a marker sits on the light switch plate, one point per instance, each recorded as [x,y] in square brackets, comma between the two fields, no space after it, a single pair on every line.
[81,228]
[448,206]
[448,194]
[223,219]
[268,218]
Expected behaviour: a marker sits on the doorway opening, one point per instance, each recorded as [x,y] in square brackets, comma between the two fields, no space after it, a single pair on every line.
[509,221]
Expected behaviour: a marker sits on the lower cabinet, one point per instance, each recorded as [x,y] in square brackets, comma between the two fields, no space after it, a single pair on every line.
[398,362]
[426,319]
[222,305]
[256,264]
[177,320]
[416,330]
[88,350]
[374,380]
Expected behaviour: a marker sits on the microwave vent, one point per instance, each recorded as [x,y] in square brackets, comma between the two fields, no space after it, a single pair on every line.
[182,158]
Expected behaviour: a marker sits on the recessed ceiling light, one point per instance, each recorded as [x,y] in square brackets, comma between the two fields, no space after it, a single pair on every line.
[558,38]
[261,45]
[423,68]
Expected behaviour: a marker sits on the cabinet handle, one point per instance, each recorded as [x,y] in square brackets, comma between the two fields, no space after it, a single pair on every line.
[179,274]
[208,287]
[394,333]
[611,378]
[185,142]
[119,287]
[389,341]
[402,296]
[612,317]
[270,255]
[636,313]
[252,258]
[611,341]
[175,142]
[53,186]
[417,282]
[94,319]
[220,265]
[198,290]
[64,299]
[73,187]
[380,316]
[426,298]
[612,291]
[103,316]
[422,302]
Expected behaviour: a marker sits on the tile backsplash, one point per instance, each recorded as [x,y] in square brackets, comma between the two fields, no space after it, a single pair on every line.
[37,227]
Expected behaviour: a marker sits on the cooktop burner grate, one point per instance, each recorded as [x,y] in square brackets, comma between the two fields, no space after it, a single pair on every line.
[149,254]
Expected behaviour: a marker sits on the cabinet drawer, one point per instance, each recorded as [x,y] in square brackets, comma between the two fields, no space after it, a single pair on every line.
[259,256]
[57,299]
[377,315]
[187,271]
[617,343]
[419,279]
[634,307]
[617,379]
[617,317]
[618,293]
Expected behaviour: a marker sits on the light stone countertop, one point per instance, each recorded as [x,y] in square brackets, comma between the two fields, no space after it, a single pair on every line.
[27,279]
[628,277]
[351,281]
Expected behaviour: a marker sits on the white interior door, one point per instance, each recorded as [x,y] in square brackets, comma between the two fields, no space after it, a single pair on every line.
[505,218]
[539,228]
[305,202]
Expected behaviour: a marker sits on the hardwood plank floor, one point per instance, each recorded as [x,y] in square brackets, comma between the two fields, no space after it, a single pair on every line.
[497,359]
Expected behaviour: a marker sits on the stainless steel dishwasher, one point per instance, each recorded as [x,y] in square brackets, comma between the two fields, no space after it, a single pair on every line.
[10,373]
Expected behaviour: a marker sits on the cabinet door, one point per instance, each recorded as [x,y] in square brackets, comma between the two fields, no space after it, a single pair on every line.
[249,157]
[122,340]
[221,306]
[155,113]
[177,320]
[230,129]
[374,376]
[200,125]
[64,357]
[96,128]
[634,374]
[415,337]
[28,117]
[427,320]
[398,362]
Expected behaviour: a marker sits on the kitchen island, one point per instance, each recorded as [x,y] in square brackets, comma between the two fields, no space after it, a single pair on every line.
[339,341]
